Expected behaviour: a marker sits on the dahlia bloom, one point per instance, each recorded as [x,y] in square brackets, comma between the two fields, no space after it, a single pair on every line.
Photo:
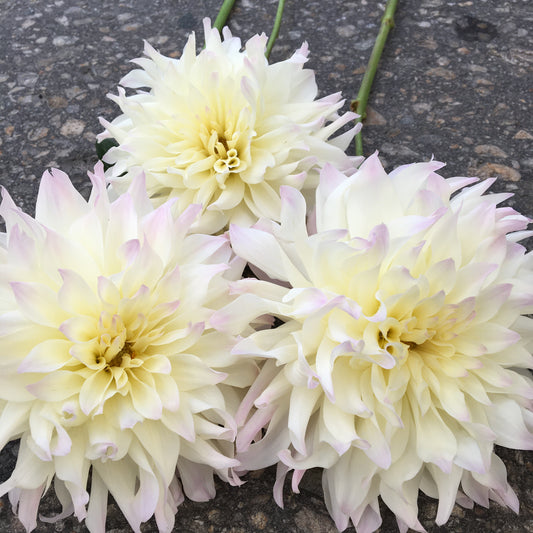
[225,129]
[403,352]
[108,364]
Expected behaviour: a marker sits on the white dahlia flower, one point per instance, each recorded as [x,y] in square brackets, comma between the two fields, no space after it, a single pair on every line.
[225,129]
[403,354]
[109,369]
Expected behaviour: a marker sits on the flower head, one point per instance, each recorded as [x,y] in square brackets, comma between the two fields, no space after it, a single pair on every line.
[401,360]
[108,363]
[225,129]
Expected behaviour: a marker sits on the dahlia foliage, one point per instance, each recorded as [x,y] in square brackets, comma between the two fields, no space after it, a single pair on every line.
[109,367]
[225,128]
[403,351]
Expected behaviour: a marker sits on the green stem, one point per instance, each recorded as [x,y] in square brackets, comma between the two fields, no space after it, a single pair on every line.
[223,14]
[359,104]
[275,29]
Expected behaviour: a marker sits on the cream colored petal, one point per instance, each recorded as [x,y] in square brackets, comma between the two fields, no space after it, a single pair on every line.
[93,391]
[47,356]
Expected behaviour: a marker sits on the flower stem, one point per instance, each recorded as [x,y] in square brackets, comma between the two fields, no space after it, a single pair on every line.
[223,14]
[275,29]
[359,104]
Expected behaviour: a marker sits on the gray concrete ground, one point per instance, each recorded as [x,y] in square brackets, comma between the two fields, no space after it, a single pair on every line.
[455,81]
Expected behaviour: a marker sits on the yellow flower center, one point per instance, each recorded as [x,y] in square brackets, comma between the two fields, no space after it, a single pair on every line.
[225,153]
[398,337]
[126,351]
[114,349]
[224,140]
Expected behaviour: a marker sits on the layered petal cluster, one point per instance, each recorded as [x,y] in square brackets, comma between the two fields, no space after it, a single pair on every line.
[108,365]
[225,128]
[403,352]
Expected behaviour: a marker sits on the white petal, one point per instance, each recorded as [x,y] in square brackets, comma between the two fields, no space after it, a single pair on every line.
[197,480]
[97,511]
[303,402]
[58,202]
[47,356]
